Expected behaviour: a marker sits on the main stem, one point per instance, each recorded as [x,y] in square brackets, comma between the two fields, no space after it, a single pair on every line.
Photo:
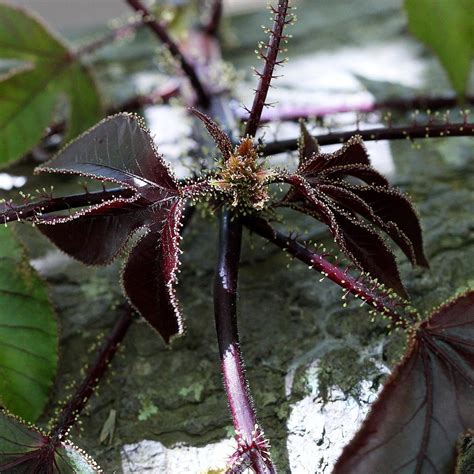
[161,32]
[225,311]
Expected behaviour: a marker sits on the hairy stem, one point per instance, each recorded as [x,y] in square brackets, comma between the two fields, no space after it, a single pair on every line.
[10,212]
[381,302]
[74,407]
[410,132]
[249,435]
[162,33]
[294,113]
[266,76]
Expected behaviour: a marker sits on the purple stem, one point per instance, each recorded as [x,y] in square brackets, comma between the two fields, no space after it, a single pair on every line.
[383,303]
[212,25]
[266,76]
[410,132]
[249,436]
[74,407]
[294,113]
[33,211]
[162,33]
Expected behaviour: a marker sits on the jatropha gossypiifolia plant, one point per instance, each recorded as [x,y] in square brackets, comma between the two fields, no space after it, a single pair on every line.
[427,403]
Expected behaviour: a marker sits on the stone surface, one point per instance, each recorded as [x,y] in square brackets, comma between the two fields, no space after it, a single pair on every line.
[298,340]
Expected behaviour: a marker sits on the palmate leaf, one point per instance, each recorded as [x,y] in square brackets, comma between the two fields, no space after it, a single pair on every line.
[426,405]
[25,450]
[28,333]
[356,239]
[30,94]
[120,150]
[323,186]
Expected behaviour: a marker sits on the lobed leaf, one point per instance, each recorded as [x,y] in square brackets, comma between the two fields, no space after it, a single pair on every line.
[121,150]
[28,333]
[30,96]
[149,275]
[426,405]
[25,450]
[324,187]
[356,239]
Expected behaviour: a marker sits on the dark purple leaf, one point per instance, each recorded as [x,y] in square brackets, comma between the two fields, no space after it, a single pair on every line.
[150,274]
[121,150]
[308,146]
[363,172]
[352,153]
[220,138]
[97,236]
[25,450]
[398,213]
[410,244]
[327,181]
[426,405]
[357,240]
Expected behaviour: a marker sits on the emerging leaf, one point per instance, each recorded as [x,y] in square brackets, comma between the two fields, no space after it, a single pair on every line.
[28,333]
[220,138]
[25,450]
[327,186]
[30,95]
[426,405]
[121,150]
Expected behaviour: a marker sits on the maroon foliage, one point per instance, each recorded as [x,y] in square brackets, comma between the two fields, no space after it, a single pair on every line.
[221,139]
[328,187]
[25,450]
[121,150]
[427,403]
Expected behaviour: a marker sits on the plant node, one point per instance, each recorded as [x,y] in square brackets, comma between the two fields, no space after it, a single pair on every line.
[243,177]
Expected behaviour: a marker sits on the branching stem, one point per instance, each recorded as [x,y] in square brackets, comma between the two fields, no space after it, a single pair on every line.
[380,302]
[74,407]
[162,33]
[266,76]
[294,113]
[212,25]
[410,132]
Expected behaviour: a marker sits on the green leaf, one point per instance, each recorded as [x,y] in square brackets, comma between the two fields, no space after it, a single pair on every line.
[25,449]
[28,333]
[446,26]
[32,94]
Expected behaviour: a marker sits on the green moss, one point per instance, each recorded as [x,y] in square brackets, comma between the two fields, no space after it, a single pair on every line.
[344,369]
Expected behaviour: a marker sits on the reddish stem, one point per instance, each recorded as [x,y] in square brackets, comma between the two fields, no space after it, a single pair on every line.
[410,132]
[276,35]
[251,444]
[382,303]
[212,25]
[32,211]
[162,33]
[74,407]
[294,113]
